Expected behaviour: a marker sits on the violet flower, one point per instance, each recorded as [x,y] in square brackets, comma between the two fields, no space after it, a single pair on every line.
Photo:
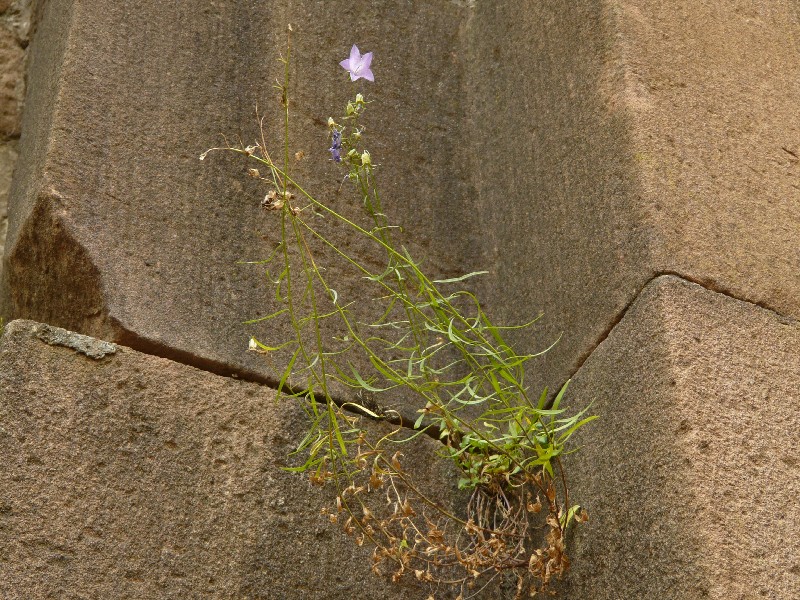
[336,146]
[358,66]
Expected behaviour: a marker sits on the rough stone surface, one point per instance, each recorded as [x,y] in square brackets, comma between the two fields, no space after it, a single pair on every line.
[133,476]
[19,17]
[91,347]
[117,229]
[552,144]
[12,83]
[614,141]
[692,473]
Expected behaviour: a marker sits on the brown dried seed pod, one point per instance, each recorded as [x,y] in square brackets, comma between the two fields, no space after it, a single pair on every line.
[534,507]
[375,480]
[396,462]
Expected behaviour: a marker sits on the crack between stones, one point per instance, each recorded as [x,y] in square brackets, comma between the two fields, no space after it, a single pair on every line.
[399,418]
[707,284]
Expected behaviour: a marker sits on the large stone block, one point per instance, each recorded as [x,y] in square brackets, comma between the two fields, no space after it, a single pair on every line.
[612,141]
[124,475]
[691,473]
[118,230]
[576,150]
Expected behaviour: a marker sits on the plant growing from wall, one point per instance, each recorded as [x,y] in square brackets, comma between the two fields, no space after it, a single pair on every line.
[430,340]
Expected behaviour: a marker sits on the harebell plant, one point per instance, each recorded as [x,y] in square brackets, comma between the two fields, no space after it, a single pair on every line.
[430,344]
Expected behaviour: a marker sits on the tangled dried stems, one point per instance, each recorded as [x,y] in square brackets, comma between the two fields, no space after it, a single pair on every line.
[511,525]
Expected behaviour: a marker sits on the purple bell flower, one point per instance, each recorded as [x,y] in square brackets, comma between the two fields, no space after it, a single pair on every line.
[358,65]
[336,146]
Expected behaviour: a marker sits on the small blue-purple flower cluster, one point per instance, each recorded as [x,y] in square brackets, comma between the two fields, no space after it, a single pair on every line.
[358,66]
[336,146]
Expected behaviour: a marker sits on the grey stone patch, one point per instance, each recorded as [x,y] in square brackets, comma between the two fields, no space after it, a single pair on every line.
[91,347]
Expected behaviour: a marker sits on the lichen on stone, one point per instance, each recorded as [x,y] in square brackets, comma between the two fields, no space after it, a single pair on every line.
[91,347]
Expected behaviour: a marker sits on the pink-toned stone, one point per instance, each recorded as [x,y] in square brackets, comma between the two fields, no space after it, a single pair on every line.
[691,473]
[574,150]
[123,475]
[118,230]
[612,141]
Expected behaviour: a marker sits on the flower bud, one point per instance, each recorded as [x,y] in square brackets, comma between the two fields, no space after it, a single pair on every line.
[359,100]
[331,122]
[366,160]
[350,109]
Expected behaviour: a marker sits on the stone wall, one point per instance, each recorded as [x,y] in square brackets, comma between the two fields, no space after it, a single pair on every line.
[629,168]
[694,462]
[125,475]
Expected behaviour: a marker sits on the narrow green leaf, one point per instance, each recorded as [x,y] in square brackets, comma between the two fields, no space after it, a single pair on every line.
[560,395]
[542,399]
[364,384]
[565,436]
[462,278]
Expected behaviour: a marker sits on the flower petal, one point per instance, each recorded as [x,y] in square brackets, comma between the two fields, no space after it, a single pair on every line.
[355,56]
[366,61]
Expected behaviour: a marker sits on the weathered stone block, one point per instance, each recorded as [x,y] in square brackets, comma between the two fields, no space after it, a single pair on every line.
[613,141]
[124,475]
[576,150]
[118,230]
[19,16]
[691,473]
